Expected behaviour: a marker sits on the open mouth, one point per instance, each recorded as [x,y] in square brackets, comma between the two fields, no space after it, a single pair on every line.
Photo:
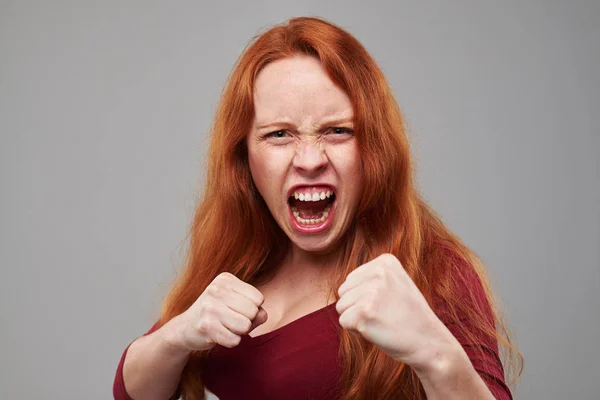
[311,209]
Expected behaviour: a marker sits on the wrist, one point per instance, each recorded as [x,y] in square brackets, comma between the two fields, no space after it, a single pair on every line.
[443,364]
[172,338]
[451,375]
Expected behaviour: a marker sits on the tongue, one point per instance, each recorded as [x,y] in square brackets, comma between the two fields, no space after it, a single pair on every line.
[310,209]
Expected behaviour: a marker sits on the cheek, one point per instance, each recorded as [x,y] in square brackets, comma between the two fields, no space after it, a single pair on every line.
[258,172]
[346,160]
[348,166]
[267,169]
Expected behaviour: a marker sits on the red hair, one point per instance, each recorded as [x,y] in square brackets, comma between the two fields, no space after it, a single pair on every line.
[233,231]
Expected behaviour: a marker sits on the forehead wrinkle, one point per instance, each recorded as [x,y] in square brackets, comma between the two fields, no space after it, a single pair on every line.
[297,95]
[301,105]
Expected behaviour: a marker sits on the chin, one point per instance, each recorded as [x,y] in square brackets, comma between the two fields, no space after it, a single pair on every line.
[316,244]
[313,246]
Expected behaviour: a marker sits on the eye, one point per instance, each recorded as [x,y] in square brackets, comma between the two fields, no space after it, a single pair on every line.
[276,134]
[341,131]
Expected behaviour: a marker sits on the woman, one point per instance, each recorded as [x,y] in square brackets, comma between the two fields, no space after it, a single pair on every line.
[315,270]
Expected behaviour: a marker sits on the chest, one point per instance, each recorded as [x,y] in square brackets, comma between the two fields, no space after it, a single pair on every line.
[297,361]
[284,307]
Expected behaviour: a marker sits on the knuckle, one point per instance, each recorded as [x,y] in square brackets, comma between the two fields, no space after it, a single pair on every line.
[225,277]
[246,325]
[235,340]
[345,321]
[254,311]
[361,327]
[379,285]
[206,325]
[214,290]
[380,273]
[209,309]
[388,259]
[260,298]
[227,287]
[198,327]
[368,310]
[231,341]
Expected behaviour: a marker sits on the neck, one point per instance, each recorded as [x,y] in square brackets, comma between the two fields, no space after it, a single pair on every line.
[306,271]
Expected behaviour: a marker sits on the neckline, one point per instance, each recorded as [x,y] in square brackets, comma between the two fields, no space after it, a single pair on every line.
[265,337]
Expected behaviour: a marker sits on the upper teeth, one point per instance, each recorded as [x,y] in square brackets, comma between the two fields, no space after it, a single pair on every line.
[312,197]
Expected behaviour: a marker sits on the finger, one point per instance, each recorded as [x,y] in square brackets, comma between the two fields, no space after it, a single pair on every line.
[366,272]
[249,291]
[346,286]
[241,304]
[260,319]
[235,322]
[354,279]
[224,337]
[349,298]
[349,319]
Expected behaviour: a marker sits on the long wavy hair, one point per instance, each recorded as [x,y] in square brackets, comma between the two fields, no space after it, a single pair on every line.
[233,231]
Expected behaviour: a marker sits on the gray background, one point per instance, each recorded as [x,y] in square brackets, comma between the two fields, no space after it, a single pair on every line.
[104,113]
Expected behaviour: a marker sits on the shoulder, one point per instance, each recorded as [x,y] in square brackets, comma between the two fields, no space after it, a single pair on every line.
[464,303]
[462,297]
[463,275]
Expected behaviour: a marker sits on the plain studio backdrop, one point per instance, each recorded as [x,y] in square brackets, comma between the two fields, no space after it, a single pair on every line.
[105,109]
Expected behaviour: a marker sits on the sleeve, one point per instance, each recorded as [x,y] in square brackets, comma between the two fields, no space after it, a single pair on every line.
[119,390]
[481,347]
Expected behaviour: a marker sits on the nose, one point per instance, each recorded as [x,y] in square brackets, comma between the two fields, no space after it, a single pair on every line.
[310,158]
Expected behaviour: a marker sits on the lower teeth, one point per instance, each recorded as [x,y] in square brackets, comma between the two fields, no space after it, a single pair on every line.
[314,221]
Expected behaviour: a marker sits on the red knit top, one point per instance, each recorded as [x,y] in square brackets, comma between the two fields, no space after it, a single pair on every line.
[300,360]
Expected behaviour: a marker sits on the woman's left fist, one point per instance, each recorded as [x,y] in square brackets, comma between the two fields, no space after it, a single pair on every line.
[381,302]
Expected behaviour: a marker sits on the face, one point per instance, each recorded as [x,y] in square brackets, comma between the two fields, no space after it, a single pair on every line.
[302,152]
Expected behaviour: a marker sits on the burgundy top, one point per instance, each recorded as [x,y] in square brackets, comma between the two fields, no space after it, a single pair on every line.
[299,360]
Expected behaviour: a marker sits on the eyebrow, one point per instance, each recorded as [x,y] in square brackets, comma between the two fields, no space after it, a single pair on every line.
[283,123]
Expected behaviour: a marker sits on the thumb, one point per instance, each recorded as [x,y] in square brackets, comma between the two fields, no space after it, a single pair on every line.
[260,318]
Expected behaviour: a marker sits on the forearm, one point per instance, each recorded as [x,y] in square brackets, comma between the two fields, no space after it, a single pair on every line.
[153,365]
[451,375]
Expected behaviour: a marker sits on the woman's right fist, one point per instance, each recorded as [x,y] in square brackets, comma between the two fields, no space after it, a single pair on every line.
[226,310]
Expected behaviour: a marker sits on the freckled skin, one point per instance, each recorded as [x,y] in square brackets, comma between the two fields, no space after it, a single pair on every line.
[294,140]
